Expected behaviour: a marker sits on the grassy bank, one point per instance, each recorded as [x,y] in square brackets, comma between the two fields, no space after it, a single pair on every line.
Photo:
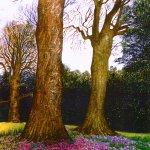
[11,128]
[143,137]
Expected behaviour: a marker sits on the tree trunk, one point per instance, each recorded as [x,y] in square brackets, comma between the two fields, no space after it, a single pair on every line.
[95,121]
[45,120]
[14,99]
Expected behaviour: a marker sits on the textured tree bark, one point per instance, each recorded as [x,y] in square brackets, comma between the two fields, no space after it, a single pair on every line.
[101,41]
[45,121]
[95,121]
[14,115]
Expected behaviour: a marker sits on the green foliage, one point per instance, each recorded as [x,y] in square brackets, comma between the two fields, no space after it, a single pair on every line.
[142,139]
[118,146]
[142,147]
[75,79]
[4,86]
[129,92]
[126,92]
[136,42]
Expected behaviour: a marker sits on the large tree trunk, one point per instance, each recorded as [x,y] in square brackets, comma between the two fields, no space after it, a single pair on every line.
[45,121]
[14,99]
[95,121]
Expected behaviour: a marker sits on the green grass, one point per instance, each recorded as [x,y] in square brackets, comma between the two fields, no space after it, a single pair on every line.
[11,128]
[127,134]
[143,137]
[7,128]
[14,128]
[71,127]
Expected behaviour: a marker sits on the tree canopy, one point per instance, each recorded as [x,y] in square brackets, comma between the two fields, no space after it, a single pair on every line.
[136,42]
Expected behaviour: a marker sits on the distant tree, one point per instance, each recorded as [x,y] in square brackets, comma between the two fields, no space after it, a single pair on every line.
[28,81]
[128,92]
[136,54]
[75,79]
[17,54]
[99,25]
[136,42]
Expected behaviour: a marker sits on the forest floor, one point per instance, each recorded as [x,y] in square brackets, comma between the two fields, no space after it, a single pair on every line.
[10,132]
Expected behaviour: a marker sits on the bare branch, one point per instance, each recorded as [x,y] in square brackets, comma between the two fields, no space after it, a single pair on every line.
[85,37]
[69,2]
[2,64]
[18,47]
[124,27]
[30,13]
[121,32]
[26,95]
[121,29]
[112,13]
[97,12]
[105,2]
[3,101]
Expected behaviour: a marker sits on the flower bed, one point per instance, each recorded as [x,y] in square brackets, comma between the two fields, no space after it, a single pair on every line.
[80,142]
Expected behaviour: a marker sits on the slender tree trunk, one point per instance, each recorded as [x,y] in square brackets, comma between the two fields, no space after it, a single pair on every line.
[45,121]
[95,121]
[14,115]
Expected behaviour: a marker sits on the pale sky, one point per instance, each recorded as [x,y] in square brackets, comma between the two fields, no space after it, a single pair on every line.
[74,58]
